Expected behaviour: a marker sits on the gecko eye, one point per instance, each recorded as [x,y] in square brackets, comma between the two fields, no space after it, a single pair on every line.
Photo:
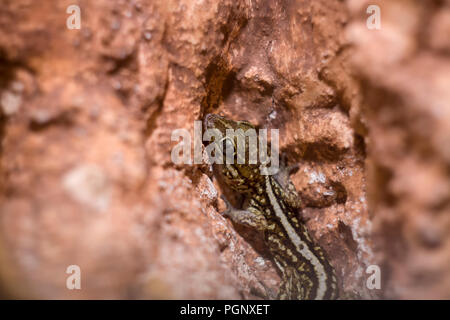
[227,145]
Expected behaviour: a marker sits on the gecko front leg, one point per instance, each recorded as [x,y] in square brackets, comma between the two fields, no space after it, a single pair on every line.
[251,217]
[289,193]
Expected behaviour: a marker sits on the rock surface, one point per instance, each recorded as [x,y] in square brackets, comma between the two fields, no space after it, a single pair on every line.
[87,118]
[407,111]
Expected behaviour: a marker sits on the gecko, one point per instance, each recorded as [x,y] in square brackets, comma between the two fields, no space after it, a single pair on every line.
[270,207]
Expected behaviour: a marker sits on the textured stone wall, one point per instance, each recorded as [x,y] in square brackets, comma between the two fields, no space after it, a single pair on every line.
[405,75]
[86,123]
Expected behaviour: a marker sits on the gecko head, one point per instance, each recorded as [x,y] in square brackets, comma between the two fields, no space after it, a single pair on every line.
[219,122]
[232,133]
[241,138]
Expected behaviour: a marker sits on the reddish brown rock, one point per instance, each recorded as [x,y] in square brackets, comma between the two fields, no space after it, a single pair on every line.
[405,72]
[87,118]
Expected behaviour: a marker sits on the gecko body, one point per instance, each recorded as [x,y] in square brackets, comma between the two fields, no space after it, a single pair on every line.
[271,208]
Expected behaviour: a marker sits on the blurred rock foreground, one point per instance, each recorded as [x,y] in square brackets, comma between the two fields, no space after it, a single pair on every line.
[86,118]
